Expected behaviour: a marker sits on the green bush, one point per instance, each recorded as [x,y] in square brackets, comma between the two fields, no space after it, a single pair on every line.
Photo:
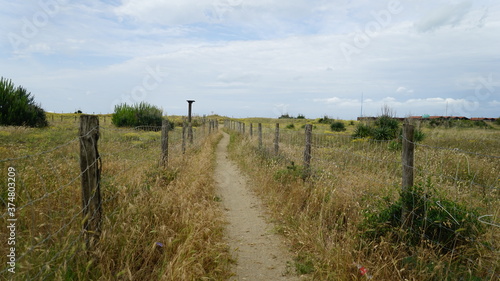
[386,128]
[337,126]
[326,120]
[141,114]
[430,219]
[18,107]
[362,131]
[290,126]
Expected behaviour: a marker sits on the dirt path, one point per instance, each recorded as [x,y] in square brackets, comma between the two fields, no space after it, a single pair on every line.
[260,254]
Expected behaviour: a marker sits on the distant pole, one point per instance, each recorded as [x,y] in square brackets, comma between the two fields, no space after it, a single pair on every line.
[307,150]
[184,136]
[361,104]
[277,139]
[164,142]
[190,125]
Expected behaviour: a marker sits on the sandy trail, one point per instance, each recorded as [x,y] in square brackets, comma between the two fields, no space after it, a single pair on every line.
[260,254]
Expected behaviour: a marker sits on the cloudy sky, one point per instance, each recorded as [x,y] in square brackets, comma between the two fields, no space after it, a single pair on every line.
[246,58]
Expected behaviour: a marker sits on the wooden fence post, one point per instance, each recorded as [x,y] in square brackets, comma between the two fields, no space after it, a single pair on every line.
[90,166]
[164,142]
[277,139]
[260,134]
[251,130]
[307,150]
[184,137]
[408,160]
[190,133]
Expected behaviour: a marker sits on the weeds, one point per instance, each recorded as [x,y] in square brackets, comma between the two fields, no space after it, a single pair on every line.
[142,204]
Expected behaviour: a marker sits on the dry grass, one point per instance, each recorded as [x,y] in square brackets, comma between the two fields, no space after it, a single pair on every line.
[321,216]
[142,204]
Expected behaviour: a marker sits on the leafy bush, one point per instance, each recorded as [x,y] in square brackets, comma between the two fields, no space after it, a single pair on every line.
[290,126]
[326,120]
[362,131]
[285,116]
[430,219]
[497,121]
[386,128]
[141,114]
[18,107]
[337,126]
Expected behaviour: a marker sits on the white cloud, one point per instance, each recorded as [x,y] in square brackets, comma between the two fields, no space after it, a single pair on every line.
[260,54]
[404,90]
[449,15]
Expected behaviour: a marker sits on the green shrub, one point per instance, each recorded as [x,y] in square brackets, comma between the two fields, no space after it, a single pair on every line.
[337,126]
[290,126]
[326,120]
[362,131]
[497,121]
[18,107]
[430,219]
[141,114]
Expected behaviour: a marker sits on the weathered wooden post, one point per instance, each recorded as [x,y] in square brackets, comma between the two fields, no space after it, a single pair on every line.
[259,128]
[90,166]
[190,128]
[251,130]
[184,136]
[307,150]
[164,142]
[408,160]
[277,139]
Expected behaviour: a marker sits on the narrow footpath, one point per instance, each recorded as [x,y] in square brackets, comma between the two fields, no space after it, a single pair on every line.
[259,253]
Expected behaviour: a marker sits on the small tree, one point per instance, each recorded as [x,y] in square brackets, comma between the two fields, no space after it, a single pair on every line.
[18,107]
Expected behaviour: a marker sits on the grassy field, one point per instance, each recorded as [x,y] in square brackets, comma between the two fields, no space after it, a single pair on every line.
[325,216]
[143,205]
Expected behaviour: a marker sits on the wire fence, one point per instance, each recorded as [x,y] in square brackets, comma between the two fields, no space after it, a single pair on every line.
[42,199]
[463,171]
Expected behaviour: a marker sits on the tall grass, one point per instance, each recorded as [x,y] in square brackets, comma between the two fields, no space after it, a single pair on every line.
[158,224]
[321,217]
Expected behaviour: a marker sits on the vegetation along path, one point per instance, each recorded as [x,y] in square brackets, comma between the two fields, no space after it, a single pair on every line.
[259,254]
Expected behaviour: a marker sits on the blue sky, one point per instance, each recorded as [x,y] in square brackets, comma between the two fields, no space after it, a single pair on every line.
[263,58]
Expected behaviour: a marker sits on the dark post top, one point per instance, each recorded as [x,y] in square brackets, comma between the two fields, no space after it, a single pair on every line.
[189,107]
